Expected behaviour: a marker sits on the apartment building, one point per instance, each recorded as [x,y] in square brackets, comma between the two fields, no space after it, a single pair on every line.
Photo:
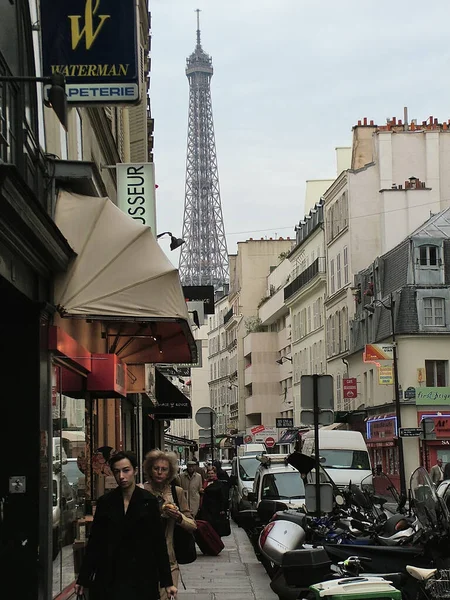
[408,288]
[249,343]
[398,175]
[304,297]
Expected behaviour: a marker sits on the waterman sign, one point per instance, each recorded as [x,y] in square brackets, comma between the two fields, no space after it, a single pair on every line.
[432,395]
[93,43]
[136,192]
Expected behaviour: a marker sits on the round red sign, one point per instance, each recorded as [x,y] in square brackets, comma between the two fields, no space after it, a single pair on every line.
[270,442]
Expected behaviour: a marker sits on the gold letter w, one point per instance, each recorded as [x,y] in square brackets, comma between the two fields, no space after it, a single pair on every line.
[88,29]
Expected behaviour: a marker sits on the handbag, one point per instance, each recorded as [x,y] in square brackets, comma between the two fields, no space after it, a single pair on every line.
[183,541]
[223,525]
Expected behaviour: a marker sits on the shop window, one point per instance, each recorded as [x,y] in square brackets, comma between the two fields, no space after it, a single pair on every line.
[68,476]
[436,373]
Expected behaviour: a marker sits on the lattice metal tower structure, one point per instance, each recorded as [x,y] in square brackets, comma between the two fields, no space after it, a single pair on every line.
[204,255]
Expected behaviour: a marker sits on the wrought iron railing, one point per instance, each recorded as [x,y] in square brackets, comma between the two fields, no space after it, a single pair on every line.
[318,266]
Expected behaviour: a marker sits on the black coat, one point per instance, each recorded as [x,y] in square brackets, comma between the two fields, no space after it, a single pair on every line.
[214,504]
[126,556]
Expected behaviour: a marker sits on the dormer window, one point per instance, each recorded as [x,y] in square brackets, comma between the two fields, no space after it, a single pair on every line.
[428,256]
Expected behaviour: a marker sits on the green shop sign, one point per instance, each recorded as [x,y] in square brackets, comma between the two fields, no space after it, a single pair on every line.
[432,395]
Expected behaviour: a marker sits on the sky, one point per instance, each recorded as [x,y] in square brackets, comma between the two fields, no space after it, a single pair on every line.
[291,79]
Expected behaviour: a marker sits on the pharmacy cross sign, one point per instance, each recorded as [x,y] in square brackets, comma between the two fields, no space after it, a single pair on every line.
[350,387]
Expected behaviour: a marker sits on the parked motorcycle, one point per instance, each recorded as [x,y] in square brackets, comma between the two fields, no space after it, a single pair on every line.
[419,537]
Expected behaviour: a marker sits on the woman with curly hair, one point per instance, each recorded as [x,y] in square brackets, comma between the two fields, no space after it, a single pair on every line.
[161,469]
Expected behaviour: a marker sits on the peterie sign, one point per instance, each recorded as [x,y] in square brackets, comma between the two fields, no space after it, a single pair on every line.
[93,43]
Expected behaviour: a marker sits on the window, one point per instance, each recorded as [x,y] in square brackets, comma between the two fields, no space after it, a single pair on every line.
[434,312]
[309,329]
[332,282]
[345,264]
[436,372]
[338,388]
[428,256]
[338,272]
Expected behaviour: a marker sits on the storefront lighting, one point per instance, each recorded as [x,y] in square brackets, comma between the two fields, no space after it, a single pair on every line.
[368,434]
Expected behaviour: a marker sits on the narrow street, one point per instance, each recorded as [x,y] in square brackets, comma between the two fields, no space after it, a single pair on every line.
[236,574]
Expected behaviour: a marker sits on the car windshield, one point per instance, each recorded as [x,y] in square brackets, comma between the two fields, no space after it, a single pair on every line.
[277,486]
[345,459]
[248,467]
[72,472]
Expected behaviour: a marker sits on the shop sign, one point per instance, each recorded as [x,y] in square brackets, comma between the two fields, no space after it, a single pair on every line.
[93,43]
[385,375]
[200,293]
[257,429]
[441,423]
[378,352]
[432,396]
[108,376]
[350,387]
[136,192]
[285,423]
[381,429]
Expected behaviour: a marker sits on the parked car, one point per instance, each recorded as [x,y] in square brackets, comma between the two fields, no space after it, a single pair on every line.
[243,470]
[76,479]
[277,484]
[64,513]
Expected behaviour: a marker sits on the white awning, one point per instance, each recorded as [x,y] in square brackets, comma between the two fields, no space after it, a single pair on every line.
[122,278]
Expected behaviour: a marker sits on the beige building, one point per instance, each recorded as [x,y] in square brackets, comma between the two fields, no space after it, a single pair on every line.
[304,296]
[249,343]
[394,163]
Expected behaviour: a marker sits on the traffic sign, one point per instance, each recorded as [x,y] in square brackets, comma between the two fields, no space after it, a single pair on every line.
[205,417]
[325,417]
[324,391]
[410,431]
[270,442]
[350,387]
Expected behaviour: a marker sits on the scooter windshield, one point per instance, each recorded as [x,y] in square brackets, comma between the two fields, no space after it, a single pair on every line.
[380,486]
[431,512]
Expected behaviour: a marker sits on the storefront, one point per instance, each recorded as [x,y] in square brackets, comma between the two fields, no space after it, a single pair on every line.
[381,436]
[435,438]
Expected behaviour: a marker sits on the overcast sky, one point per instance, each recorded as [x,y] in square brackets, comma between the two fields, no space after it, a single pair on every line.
[291,78]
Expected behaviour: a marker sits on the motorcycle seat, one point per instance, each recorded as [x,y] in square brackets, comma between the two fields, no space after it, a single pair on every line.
[420,574]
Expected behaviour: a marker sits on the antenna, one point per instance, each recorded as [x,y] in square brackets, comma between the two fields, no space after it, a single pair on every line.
[198,11]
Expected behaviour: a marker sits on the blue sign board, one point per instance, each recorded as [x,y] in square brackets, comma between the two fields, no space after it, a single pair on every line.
[93,43]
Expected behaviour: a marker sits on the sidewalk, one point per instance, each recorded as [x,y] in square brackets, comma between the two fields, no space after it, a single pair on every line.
[236,574]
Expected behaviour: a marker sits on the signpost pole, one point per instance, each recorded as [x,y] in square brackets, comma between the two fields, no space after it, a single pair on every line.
[316,440]
[401,458]
[424,443]
[211,424]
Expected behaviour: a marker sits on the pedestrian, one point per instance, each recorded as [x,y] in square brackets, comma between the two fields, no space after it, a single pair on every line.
[437,472]
[160,469]
[447,471]
[223,476]
[214,502]
[126,555]
[192,484]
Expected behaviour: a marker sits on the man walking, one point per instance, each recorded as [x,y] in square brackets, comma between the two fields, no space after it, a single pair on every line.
[437,472]
[192,484]
[126,556]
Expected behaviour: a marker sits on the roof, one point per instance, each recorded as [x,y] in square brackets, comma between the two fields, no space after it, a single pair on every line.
[437,226]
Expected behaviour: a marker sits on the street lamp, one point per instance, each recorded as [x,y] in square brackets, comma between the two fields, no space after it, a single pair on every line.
[174,241]
[283,358]
[401,458]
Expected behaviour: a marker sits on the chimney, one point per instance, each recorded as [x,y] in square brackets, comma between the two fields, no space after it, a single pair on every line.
[365,120]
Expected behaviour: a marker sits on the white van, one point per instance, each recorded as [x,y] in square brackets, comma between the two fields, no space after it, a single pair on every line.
[251,449]
[343,455]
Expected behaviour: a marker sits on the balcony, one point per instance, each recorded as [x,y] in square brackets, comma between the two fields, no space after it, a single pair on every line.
[305,277]
[18,132]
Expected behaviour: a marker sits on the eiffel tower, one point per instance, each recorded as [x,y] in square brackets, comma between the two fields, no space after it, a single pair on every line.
[204,256]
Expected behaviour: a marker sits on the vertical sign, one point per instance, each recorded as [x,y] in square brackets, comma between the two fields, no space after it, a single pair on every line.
[350,387]
[93,43]
[136,192]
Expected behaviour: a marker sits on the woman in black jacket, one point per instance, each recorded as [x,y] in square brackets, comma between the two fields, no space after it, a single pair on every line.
[126,556]
[214,502]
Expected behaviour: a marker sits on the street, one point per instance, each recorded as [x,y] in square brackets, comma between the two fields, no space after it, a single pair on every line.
[236,574]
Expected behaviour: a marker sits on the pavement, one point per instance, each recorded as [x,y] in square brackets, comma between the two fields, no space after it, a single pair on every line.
[236,574]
